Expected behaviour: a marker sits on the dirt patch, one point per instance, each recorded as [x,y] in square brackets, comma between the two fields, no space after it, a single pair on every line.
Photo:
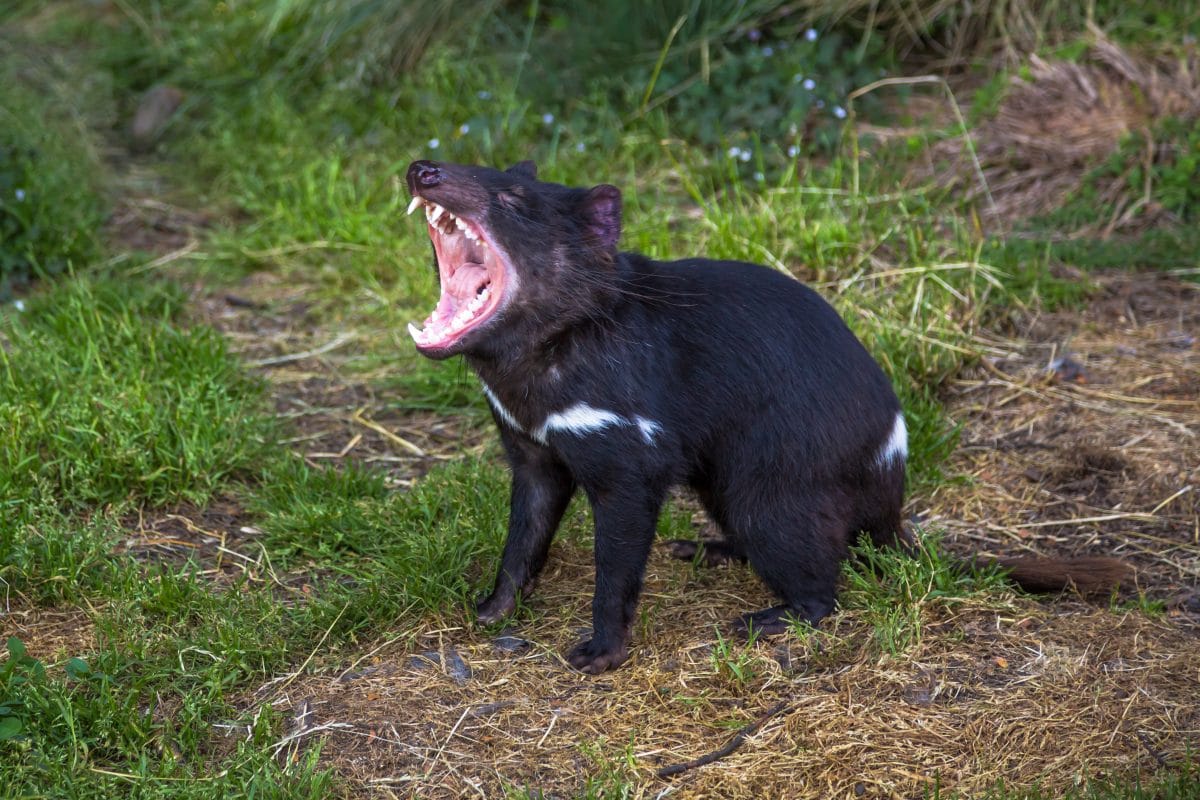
[1019,692]
[219,538]
[333,413]
[48,633]
[1081,435]
[1060,120]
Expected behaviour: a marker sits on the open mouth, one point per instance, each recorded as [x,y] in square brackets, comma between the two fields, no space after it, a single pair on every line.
[473,276]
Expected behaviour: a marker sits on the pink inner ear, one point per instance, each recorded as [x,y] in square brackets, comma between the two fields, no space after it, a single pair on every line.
[603,208]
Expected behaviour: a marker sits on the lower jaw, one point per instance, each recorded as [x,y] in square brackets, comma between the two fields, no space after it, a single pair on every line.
[438,353]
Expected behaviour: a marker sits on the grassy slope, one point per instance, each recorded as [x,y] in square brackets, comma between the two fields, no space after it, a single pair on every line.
[116,407]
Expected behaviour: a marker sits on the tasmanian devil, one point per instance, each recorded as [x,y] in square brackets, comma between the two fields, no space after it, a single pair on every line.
[623,376]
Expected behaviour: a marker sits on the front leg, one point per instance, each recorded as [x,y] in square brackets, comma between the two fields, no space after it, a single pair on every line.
[625,526]
[541,489]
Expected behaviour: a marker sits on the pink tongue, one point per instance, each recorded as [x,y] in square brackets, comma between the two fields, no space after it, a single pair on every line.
[467,280]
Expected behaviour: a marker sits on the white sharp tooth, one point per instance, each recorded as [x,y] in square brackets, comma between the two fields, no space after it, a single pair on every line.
[458,223]
[437,213]
[414,205]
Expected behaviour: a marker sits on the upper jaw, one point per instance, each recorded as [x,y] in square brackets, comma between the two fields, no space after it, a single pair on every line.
[475,275]
[438,217]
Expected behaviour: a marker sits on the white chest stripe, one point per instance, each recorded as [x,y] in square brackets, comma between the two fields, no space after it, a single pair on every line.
[649,428]
[579,419]
[582,419]
[896,446]
[500,410]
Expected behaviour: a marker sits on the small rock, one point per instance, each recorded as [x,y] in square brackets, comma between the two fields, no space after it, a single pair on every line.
[453,664]
[456,667]
[1068,370]
[427,660]
[783,657]
[154,111]
[507,643]
[1180,340]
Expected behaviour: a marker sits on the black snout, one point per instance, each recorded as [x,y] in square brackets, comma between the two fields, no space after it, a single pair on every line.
[423,175]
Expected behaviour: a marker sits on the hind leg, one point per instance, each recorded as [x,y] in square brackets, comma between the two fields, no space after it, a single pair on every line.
[796,547]
[716,550]
[880,510]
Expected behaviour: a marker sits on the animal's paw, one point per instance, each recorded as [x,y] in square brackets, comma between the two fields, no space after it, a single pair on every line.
[768,622]
[592,658]
[683,549]
[711,553]
[495,607]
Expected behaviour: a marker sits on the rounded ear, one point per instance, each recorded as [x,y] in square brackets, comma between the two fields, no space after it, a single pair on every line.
[601,208]
[525,168]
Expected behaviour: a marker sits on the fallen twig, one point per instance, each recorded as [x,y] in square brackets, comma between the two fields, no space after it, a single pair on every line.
[733,744]
[337,342]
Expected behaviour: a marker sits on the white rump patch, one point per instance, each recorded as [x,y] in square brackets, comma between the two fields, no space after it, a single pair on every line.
[500,410]
[582,419]
[896,446]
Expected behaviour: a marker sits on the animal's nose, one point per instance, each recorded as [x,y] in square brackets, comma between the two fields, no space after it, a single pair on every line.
[424,175]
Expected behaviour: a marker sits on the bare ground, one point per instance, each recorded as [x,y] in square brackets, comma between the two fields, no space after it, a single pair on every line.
[1079,436]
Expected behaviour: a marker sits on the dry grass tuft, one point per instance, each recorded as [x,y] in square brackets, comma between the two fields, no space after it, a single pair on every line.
[1101,458]
[48,633]
[1016,691]
[1063,120]
[1104,462]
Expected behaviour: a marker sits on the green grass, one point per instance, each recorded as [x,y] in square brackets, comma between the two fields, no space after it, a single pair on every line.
[297,128]
[396,551]
[1179,784]
[896,593]
[105,399]
[51,203]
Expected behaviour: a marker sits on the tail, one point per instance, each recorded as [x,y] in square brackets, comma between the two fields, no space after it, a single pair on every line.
[1087,575]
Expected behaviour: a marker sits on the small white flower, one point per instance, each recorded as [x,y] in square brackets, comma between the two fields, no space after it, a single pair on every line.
[811,34]
[19,305]
[797,78]
[810,84]
[758,176]
[464,129]
[547,118]
[580,147]
[768,51]
[433,144]
[793,151]
[746,155]
[735,151]
[484,94]
[839,112]
[20,195]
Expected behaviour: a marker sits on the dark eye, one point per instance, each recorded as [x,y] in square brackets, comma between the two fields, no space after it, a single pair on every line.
[513,198]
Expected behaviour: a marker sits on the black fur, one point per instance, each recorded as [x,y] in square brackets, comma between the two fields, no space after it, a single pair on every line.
[765,403]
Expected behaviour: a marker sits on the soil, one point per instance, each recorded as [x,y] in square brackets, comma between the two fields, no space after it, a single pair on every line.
[1079,435]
